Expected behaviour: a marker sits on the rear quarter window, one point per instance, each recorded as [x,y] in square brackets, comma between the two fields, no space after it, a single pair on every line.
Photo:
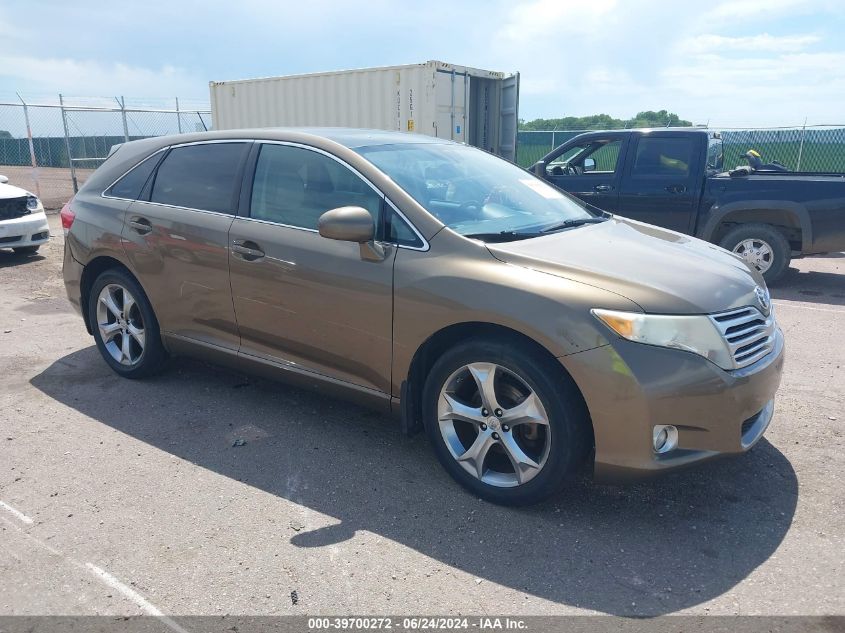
[131,184]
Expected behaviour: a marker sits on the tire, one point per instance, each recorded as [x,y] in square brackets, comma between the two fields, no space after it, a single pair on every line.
[558,449]
[769,239]
[26,250]
[143,354]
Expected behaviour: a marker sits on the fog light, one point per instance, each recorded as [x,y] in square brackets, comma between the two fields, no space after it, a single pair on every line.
[665,438]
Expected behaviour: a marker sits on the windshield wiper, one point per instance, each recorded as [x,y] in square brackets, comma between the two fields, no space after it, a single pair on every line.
[502,236]
[568,224]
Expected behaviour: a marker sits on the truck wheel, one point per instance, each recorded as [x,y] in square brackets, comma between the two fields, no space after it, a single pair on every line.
[506,423]
[762,247]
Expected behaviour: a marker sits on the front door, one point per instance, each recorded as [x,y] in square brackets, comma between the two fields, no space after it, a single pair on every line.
[662,183]
[589,171]
[175,238]
[300,298]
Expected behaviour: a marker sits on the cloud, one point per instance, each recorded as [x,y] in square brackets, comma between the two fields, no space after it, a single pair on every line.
[709,43]
[542,18]
[88,77]
[778,90]
[762,9]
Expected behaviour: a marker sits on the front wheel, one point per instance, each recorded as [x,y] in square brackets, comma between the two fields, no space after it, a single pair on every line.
[125,326]
[507,423]
[762,247]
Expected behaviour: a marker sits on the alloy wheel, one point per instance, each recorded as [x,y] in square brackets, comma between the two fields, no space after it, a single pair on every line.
[120,324]
[494,424]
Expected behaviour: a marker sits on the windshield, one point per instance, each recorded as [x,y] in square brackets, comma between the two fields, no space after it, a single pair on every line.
[477,194]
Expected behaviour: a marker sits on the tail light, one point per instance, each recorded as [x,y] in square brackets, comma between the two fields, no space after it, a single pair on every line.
[68,216]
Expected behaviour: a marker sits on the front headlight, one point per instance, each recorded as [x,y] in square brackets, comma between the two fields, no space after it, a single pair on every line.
[693,333]
[31,203]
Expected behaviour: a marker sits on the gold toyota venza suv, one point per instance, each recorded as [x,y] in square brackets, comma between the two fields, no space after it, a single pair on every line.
[527,333]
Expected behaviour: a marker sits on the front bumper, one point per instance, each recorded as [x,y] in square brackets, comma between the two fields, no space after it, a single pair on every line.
[630,387]
[28,230]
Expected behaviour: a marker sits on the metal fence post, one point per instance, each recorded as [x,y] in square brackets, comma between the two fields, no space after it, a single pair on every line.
[178,117]
[122,103]
[67,145]
[801,146]
[31,145]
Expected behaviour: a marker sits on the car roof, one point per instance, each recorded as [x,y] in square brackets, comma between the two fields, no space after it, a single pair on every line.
[650,130]
[351,138]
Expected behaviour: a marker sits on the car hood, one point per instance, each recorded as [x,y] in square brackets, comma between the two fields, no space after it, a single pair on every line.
[661,271]
[10,191]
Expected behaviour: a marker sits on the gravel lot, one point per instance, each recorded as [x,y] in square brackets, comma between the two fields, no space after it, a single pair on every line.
[122,497]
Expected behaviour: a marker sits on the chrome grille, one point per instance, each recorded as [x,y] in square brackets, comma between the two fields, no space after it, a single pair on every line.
[748,332]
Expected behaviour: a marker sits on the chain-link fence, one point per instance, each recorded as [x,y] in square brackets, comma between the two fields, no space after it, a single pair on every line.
[817,148]
[51,146]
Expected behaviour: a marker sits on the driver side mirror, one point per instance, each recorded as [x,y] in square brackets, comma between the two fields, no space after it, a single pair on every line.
[352,224]
[3,180]
[589,164]
[539,169]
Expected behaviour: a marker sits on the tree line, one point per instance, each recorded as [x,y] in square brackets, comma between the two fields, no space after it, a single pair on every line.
[647,118]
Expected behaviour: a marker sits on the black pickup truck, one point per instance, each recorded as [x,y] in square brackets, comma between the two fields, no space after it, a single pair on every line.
[674,178]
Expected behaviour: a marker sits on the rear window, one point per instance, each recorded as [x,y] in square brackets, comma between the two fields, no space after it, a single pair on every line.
[132,183]
[199,177]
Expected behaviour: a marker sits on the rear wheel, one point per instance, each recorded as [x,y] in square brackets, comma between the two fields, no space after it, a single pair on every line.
[505,422]
[762,247]
[125,326]
[26,250]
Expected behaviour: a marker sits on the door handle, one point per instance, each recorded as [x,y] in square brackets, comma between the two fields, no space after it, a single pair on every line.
[676,188]
[141,225]
[248,250]
[602,188]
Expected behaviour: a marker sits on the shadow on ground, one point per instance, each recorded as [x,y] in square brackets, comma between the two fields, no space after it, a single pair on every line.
[10,258]
[644,549]
[812,286]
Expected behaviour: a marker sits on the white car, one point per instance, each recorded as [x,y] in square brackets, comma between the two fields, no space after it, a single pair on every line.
[23,224]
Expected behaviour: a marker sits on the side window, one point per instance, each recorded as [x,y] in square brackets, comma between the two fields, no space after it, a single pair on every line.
[663,156]
[295,186]
[564,158]
[400,233]
[605,157]
[199,176]
[597,157]
[132,183]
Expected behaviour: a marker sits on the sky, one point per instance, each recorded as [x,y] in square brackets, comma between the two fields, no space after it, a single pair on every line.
[736,63]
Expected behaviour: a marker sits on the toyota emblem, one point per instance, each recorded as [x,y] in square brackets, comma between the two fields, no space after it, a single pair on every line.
[763,298]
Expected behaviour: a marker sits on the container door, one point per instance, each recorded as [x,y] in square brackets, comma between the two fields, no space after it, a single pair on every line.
[450,105]
[508,115]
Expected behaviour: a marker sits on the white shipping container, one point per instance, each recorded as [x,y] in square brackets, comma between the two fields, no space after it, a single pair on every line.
[429,98]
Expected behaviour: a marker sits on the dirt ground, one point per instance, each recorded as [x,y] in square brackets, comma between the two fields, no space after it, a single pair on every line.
[52,184]
[124,497]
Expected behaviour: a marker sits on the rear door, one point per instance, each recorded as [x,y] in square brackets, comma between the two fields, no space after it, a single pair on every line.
[662,180]
[590,170]
[176,240]
[302,300]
